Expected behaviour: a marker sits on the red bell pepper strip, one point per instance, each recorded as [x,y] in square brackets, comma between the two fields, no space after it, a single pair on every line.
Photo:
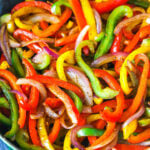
[66,40]
[141,137]
[112,104]
[2,58]
[78,12]
[72,111]
[141,70]
[116,44]
[53,102]
[43,25]
[111,81]
[129,147]
[52,29]
[50,80]
[25,35]
[33,132]
[91,139]
[12,81]
[82,120]
[55,131]
[103,7]
[109,129]
[39,4]
[142,33]
[128,34]
[141,89]
[118,65]
[67,47]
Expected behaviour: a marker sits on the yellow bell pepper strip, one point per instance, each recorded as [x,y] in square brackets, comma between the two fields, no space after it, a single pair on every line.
[60,62]
[4,65]
[22,25]
[97,100]
[106,93]
[142,85]
[93,117]
[129,129]
[72,111]
[112,21]
[123,72]
[43,134]
[89,15]
[52,29]
[28,54]
[27,10]
[67,142]
[11,26]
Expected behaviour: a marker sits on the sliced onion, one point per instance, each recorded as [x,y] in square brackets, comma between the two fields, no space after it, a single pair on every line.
[52,113]
[146,143]
[38,58]
[50,52]
[129,21]
[20,94]
[14,44]
[82,81]
[107,141]
[39,113]
[98,21]
[64,125]
[44,17]
[74,139]
[74,30]
[51,73]
[118,56]
[87,110]
[4,43]
[47,40]
[135,116]
[81,35]
[34,83]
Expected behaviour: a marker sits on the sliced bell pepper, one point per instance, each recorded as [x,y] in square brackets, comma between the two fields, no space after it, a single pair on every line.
[53,102]
[52,29]
[43,25]
[110,80]
[127,146]
[140,3]
[38,4]
[67,47]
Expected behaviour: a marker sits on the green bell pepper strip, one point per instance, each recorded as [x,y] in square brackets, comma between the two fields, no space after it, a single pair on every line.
[147,111]
[45,61]
[22,139]
[106,93]
[4,103]
[13,107]
[99,37]
[5,18]
[77,101]
[90,132]
[56,7]
[17,64]
[112,21]
[141,3]
[144,122]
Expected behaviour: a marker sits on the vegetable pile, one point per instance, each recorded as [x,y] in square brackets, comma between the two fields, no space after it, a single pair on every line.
[75,74]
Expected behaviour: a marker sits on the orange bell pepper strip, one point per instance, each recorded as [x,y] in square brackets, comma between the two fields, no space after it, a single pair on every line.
[7,75]
[39,4]
[43,25]
[66,40]
[143,32]
[109,129]
[111,81]
[141,89]
[128,34]
[129,147]
[78,12]
[91,139]
[100,124]
[71,109]
[53,102]
[67,47]
[112,104]
[55,131]
[52,29]
[141,137]
[50,80]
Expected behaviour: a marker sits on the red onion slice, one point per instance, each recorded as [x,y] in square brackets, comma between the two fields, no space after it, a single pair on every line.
[98,21]
[82,81]
[81,35]
[129,21]
[34,83]
[135,116]
[14,44]
[118,56]
[51,52]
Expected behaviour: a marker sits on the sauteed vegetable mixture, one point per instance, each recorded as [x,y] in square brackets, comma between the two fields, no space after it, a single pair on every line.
[75,75]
